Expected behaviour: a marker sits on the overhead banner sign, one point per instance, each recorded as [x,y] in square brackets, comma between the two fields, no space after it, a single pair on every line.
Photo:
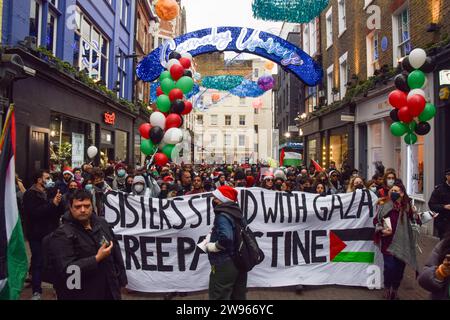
[307,238]
[263,44]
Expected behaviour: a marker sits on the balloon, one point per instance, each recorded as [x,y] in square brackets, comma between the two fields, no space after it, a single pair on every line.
[269,65]
[167,9]
[144,130]
[165,75]
[174,55]
[173,120]
[175,94]
[173,136]
[401,83]
[406,65]
[186,55]
[266,82]
[185,84]
[188,73]
[410,138]
[404,115]
[159,91]
[412,126]
[92,151]
[156,135]
[163,103]
[172,62]
[429,65]
[394,115]
[416,79]
[423,128]
[398,129]
[167,85]
[160,159]
[168,149]
[177,106]
[257,104]
[397,99]
[176,71]
[215,97]
[416,104]
[417,58]
[428,112]
[185,62]
[147,147]
[420,92]
[157,119]
[187,107]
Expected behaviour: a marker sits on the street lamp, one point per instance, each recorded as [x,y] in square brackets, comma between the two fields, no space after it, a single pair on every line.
[287,135]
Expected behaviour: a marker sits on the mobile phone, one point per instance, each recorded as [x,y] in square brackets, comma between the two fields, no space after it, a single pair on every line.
[105,241]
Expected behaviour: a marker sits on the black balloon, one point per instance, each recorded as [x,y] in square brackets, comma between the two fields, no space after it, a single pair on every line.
[422,128]
[188,73]
[394,115]
[174,55]
[406,65]
[156,135]
[401,83]
[429,65]
[177,106]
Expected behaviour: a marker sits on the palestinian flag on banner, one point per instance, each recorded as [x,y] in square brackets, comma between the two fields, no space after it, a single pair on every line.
[293,159]
[349,245]
[13,257]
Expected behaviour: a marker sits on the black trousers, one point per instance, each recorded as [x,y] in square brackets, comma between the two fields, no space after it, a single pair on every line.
[226,282]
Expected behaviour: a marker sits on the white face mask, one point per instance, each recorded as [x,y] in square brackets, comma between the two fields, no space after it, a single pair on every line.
[390,182]
[138,188]
[374,189]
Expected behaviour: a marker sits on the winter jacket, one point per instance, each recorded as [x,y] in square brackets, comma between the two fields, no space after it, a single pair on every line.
[223,232]
[99,280]
[440,290]
[40,213]
[439,198]
[62,185]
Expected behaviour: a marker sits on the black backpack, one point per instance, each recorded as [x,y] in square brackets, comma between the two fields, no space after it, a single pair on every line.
[247,253]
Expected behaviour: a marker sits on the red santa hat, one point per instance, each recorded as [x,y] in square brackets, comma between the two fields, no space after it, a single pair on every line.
[226,194]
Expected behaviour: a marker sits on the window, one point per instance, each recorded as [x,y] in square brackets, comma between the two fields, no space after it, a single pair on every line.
[372,53]
[256,128]
[256,73]
[312,150]
[124,8]
[228,120]
[241,140]
[343,74]
[200,119]
[313,37]
[121,145]
[227,139]
[342,18]
[50,40]
[35,20]
[376,147]
[213,141]
[418,165]
[242,120]
[330,84]
[311,98]
[329,27]
[401,35]
[214,119]
[339,149]
[306,42]
[242,101]
[121,74]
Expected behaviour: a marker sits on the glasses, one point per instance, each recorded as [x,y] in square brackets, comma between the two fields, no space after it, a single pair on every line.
[271,180]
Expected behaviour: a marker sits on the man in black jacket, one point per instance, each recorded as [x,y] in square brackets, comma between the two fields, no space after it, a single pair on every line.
[42,212]
[440,203]
[85,243]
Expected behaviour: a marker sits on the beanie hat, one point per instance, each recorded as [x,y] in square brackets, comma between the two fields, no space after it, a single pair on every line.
[168,179]
[280,174]
[226,194]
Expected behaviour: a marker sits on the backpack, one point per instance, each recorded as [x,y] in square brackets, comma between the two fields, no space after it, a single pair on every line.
[247,253]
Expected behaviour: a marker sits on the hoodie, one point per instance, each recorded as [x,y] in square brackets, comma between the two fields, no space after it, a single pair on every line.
[140,179]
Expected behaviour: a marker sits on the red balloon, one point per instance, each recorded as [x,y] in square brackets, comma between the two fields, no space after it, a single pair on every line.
[177,71]
[187,107]
[159,91]
[185,62]
[173,120]
[144,130]
[398,99]
[404,115]
[161,159]
[416,104]
[175,94]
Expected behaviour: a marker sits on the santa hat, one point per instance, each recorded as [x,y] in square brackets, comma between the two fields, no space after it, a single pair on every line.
[168,179]
[226,194]
[68,172]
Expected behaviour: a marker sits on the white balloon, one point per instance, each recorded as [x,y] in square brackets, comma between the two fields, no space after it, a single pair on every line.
[92,151]
[417,91]
[158,119]
[187,55]
[417,58]
[197,76]
[173,136]
[171,63]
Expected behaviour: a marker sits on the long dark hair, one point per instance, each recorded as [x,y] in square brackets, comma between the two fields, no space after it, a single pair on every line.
[406,200]
[445,247]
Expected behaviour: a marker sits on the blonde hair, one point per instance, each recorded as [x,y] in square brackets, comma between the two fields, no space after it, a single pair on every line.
[351,187]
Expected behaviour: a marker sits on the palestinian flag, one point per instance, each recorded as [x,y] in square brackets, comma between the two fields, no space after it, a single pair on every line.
[13,258]
[293,159]
[351,245]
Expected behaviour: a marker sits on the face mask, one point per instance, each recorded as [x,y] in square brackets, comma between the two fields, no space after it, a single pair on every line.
[138,188]
[163,194]
[49,184]
[88,187]
[390,182]
[121,173]
[395,196]
[72,190]
[374,189]
[278,187]
[359,186]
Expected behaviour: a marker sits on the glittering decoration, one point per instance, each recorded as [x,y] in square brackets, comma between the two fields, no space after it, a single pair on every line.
[290,57]
[295,11]
[167,9]
[266,82]
[154,85]
[247,89]
[222,83]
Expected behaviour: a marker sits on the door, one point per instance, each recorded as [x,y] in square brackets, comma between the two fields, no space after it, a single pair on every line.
[38,157]
[363,150]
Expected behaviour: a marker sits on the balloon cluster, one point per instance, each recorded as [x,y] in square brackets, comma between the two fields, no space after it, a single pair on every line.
[163,132]
[412,111]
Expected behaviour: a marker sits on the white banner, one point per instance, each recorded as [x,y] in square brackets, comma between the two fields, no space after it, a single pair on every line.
[307,239]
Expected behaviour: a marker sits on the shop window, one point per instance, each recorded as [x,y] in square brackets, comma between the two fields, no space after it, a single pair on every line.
[121,146]
[418,162]
[312,150]
[137,149]
[376,150]
[339,149]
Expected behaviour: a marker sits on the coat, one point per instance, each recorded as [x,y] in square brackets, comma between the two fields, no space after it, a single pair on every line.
[439,198]
[41,215]
[99,280]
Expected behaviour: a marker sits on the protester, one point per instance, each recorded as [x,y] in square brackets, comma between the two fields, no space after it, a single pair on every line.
[129,183]
[267,183]
[319,188]
[186,182]
[221,181]
[86,170]
[109,175]
[335,185]
[99,189]
[139,187]
[63,184]
[372,186]
[43,208]
[440,203]
[119,182]
[93,248]
[197,186]
[356,182]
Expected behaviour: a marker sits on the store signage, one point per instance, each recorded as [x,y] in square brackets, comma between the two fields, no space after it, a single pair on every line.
[347,118]
[77,149]
[237,39]
[292,128]
[109,118]
[444,77]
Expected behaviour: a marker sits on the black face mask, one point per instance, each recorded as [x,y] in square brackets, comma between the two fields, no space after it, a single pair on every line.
[163,194]
[278,187]
[359,186]
[395,196]
[128,187]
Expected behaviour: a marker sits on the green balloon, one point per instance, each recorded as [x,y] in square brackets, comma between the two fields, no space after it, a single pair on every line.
[398,129]
[416,79]
[165,75]
[185,84]
[428,113]
[410,138]
[167,85]
[163,103]
[412,126]
[147,147]
[167,150]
